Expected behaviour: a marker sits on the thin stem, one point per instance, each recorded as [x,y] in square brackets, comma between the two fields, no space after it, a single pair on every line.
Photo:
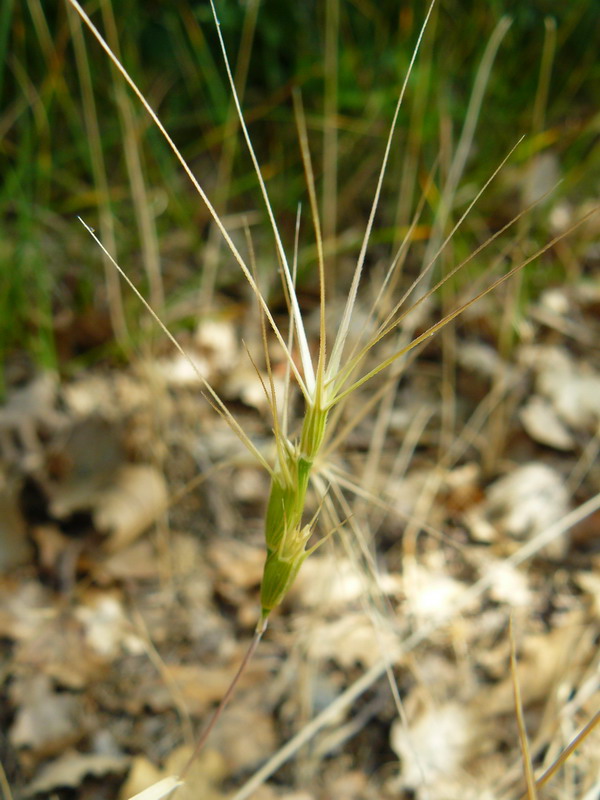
[329,197]
[98,167]
[525,751]
[260,629]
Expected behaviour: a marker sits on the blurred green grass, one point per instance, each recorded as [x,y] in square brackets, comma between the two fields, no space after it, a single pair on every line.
[51,275]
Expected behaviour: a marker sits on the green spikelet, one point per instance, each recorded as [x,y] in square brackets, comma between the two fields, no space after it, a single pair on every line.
[285,536]
[281,568]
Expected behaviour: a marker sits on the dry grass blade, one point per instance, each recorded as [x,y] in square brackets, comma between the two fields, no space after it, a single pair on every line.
[567,752]
[213,398]
[524,741]
[433,329]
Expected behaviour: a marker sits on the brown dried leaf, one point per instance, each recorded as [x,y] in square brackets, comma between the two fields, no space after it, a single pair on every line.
[107,629]
[331,582]
[249,714]
[542,423]
[55,646]
[24,409]
[199,686]
[522,504]
[435,748]
[134,501]
[69,771]
[349,640]
[80,463]
[236,562]
[15,548]
[46,720]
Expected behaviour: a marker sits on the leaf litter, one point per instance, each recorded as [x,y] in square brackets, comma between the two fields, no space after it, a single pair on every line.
[125,612]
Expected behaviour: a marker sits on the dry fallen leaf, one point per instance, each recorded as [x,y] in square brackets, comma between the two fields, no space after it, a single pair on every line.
[508,584]
[236,562]
[218,341]
[131,504]
[136,562]
[522,504]
[349,640]
[23,608]
[46,721]
[332,583]
[107,629]
[542,423]
[430,592]
[572,387]
[70,769]
[246,733]
[15,547]
[80,462]
[176,370]
[24,409]
[434,749]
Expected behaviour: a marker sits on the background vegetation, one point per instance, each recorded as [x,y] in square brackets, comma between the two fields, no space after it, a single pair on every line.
[69,134]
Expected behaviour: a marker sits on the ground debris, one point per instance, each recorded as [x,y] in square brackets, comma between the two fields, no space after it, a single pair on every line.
[130,588]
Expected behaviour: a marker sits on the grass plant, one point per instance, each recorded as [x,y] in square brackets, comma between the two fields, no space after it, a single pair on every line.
[334,371]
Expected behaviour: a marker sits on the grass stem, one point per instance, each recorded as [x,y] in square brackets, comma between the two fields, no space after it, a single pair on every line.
[260,629]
